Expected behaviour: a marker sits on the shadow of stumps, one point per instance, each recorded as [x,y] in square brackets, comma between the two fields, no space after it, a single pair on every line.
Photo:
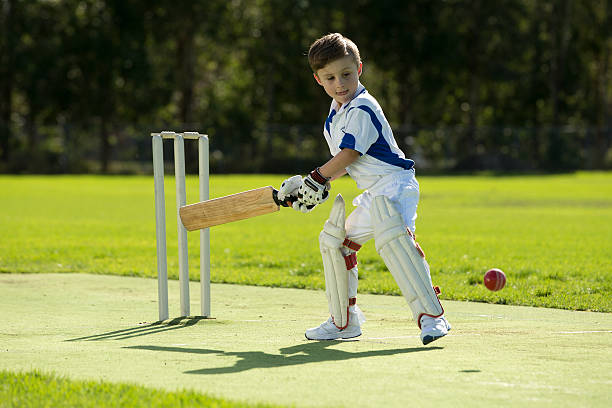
[144,330]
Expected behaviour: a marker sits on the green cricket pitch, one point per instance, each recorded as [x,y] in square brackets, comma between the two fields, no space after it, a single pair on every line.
[96,327]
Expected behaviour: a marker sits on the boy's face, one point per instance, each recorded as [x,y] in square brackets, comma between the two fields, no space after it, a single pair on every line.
[340,79]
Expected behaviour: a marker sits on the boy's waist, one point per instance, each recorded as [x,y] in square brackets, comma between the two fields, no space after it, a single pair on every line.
[385,180]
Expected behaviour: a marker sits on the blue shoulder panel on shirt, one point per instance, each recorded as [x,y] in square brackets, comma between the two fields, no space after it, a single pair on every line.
[380,149]
[348,141]
[329,120]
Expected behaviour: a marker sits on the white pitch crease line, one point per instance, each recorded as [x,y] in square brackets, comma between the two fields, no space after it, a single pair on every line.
[411,337]
[584,331]
[387,338]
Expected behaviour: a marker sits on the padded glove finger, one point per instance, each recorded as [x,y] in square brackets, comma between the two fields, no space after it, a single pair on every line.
[289,187]
[301,207]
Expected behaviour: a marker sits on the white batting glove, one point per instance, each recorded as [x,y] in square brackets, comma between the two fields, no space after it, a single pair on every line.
[313,190]
[289,187]
[302,207]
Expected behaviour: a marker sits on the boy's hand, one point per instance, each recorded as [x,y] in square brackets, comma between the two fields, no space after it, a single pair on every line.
[302,207]
[313,190]
[290,187]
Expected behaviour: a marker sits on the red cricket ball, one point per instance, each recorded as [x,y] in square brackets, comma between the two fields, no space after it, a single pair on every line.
[495,279]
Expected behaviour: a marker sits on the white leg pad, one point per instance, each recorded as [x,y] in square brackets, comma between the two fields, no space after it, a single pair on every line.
[404,259]
[334,266]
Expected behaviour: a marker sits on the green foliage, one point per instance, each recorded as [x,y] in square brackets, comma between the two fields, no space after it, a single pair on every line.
[35,389]
[512,84]
[550,234]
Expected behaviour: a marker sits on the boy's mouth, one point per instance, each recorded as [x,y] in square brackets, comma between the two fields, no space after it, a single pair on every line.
[343,93]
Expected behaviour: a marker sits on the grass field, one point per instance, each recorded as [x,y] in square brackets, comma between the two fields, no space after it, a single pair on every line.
[550,234]
[36,389]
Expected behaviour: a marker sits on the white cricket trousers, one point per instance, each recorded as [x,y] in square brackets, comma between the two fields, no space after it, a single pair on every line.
[402,188]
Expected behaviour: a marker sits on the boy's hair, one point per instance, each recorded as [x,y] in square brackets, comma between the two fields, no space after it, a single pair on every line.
[329,48]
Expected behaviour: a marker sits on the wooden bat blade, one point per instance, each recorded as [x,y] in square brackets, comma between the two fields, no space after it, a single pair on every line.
[230,208]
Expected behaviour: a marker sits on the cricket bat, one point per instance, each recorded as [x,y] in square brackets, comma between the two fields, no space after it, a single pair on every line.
[235,207]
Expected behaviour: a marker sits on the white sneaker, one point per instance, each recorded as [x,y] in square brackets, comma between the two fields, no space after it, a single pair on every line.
[432,328]
[329,331]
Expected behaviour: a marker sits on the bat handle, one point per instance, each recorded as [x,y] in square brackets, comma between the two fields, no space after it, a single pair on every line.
[287,202]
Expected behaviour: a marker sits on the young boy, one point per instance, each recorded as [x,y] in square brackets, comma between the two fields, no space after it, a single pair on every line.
[362,145]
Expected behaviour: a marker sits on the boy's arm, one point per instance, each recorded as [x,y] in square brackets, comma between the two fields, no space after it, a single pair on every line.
[336,166]
[314,187]
[337,176]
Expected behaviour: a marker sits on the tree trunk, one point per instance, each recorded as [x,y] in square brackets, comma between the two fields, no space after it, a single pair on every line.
[603,133]
[466,147]
[534,88]
[105,147]
[560,36]
[186,61]
[7,74]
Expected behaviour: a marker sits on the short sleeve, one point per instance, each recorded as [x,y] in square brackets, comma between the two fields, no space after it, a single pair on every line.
[362,129]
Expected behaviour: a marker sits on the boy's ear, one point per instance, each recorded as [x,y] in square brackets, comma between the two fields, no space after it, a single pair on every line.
[317,78]
[360,69]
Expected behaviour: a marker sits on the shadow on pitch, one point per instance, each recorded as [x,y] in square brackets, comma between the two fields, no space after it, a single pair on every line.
[144,330]
[312,352]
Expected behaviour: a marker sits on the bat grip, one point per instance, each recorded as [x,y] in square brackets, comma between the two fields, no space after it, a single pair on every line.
[287,202]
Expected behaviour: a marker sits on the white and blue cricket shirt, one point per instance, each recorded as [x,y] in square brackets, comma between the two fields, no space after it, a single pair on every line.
[361,125]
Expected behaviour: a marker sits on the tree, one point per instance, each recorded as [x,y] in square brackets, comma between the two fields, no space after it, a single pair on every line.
[8,16]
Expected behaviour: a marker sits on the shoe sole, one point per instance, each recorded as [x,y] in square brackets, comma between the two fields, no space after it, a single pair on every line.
[334,338]
[428,339]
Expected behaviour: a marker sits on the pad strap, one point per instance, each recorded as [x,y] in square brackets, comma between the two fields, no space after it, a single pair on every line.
[351,244]
[350,260]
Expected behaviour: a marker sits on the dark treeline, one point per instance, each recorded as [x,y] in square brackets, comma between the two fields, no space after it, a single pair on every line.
[502,85]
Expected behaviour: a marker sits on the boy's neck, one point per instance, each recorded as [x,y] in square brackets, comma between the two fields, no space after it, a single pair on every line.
[339,105]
